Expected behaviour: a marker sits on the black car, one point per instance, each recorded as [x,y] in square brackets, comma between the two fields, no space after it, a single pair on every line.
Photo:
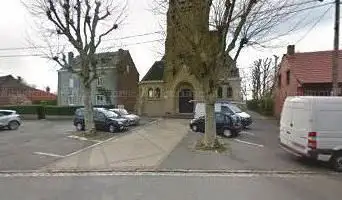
[226,124]
[104,120]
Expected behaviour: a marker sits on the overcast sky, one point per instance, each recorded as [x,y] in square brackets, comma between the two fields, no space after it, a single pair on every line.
[16,31]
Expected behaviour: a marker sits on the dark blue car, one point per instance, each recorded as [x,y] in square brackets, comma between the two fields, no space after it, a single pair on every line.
[104,120]
[226,124]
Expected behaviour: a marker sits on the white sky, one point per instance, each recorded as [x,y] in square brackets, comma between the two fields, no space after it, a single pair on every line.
[15,29]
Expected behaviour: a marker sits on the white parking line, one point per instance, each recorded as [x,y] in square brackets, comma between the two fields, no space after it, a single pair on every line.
[49,154]
[249,143]
[247,133]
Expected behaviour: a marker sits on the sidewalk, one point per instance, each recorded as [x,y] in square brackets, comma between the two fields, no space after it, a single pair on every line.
[145,148]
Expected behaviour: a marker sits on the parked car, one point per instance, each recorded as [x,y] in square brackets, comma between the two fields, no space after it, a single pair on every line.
[226,124]
[9,119]
[104,120]
[132,119]
[311,127]
[226,107]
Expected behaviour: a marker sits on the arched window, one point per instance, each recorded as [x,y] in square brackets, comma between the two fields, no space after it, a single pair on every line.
[150,93]
[229,92]
[157,93]
[219,92]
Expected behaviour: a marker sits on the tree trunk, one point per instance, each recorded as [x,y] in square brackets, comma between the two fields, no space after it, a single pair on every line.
[210,123]
[88,114]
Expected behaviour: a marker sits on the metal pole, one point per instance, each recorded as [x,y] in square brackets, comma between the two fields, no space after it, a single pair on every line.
[335,63]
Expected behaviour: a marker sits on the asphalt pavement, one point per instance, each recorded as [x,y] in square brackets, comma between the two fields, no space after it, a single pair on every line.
[156,186]
[256,148]
[38,143]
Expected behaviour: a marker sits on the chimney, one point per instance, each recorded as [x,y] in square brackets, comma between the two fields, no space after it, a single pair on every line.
[291,50]
[47,89]
[70,57]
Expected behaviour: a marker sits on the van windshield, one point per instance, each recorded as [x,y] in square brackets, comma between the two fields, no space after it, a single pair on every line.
[235,109]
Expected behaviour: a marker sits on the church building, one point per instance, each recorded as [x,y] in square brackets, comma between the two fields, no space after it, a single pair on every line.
[168,88]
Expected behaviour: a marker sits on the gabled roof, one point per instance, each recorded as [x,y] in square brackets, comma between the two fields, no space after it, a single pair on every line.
[156,72]
[313,67]
[4,78]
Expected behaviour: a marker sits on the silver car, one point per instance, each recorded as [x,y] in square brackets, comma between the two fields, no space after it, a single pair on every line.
[132,119]
[9,119]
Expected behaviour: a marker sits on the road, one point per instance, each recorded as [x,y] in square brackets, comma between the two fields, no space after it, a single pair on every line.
[38,143]
[154,186]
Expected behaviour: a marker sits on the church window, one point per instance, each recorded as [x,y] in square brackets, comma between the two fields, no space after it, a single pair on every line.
[229,92]
[157,93]
[219,92]
[150,93]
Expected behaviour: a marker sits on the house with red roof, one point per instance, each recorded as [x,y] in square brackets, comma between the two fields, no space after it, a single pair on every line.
[307,73]
[13,91]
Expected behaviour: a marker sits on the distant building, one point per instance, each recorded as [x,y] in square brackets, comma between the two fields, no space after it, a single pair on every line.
[307,73]
[13,91]
[117,83]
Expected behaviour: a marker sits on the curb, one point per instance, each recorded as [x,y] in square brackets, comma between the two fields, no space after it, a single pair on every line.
[162,171]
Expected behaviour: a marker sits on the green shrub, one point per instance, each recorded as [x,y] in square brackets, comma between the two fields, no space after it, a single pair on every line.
[61,110]
[23,109]
[42,110]
[253,105]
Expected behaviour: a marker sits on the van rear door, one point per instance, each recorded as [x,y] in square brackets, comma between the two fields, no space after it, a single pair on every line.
[300,126]
[285,121]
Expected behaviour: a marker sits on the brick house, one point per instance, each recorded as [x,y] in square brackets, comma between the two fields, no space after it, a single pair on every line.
[14,91]
[307,73]
[117,83]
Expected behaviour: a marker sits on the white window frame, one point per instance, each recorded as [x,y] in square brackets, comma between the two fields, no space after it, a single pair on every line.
[103,101]
[71,83]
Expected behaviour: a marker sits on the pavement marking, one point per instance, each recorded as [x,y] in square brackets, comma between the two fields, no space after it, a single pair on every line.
[82,138]
[249,143]
[237,173]
[48,154]
[112,138]
[247,133]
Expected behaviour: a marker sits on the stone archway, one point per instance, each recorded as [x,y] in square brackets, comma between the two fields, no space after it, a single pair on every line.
[184,96]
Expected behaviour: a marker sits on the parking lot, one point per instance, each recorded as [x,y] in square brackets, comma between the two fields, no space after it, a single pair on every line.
[40,142]
[256,148]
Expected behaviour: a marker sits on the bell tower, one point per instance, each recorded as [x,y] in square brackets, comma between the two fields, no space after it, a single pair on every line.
[185,19]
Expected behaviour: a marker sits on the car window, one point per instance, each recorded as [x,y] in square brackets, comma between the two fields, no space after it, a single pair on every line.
[227,119]
[79,112]
[5,113]
[219,118]
[226,109]
[101,116]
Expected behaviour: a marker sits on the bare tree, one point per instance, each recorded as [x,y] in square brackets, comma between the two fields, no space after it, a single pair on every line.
[262,78]
[81,24]
[233,25]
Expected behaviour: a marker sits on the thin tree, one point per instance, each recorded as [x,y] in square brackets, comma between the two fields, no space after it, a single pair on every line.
[81,24]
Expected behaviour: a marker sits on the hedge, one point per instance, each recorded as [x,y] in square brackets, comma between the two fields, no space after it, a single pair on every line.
[42,110]
[263,106]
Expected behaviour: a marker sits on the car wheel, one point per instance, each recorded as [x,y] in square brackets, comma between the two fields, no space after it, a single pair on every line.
[79,127]
[194,128]
[227,133]
[111,128]
[13,125]
[337,162]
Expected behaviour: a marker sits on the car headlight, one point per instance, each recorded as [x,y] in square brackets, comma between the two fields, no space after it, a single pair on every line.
[120,123]
[192,121]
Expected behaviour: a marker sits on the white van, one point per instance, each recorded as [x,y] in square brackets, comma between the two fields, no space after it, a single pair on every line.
[312,127]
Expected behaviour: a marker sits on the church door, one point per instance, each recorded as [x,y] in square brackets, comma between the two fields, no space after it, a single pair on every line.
[185,96]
